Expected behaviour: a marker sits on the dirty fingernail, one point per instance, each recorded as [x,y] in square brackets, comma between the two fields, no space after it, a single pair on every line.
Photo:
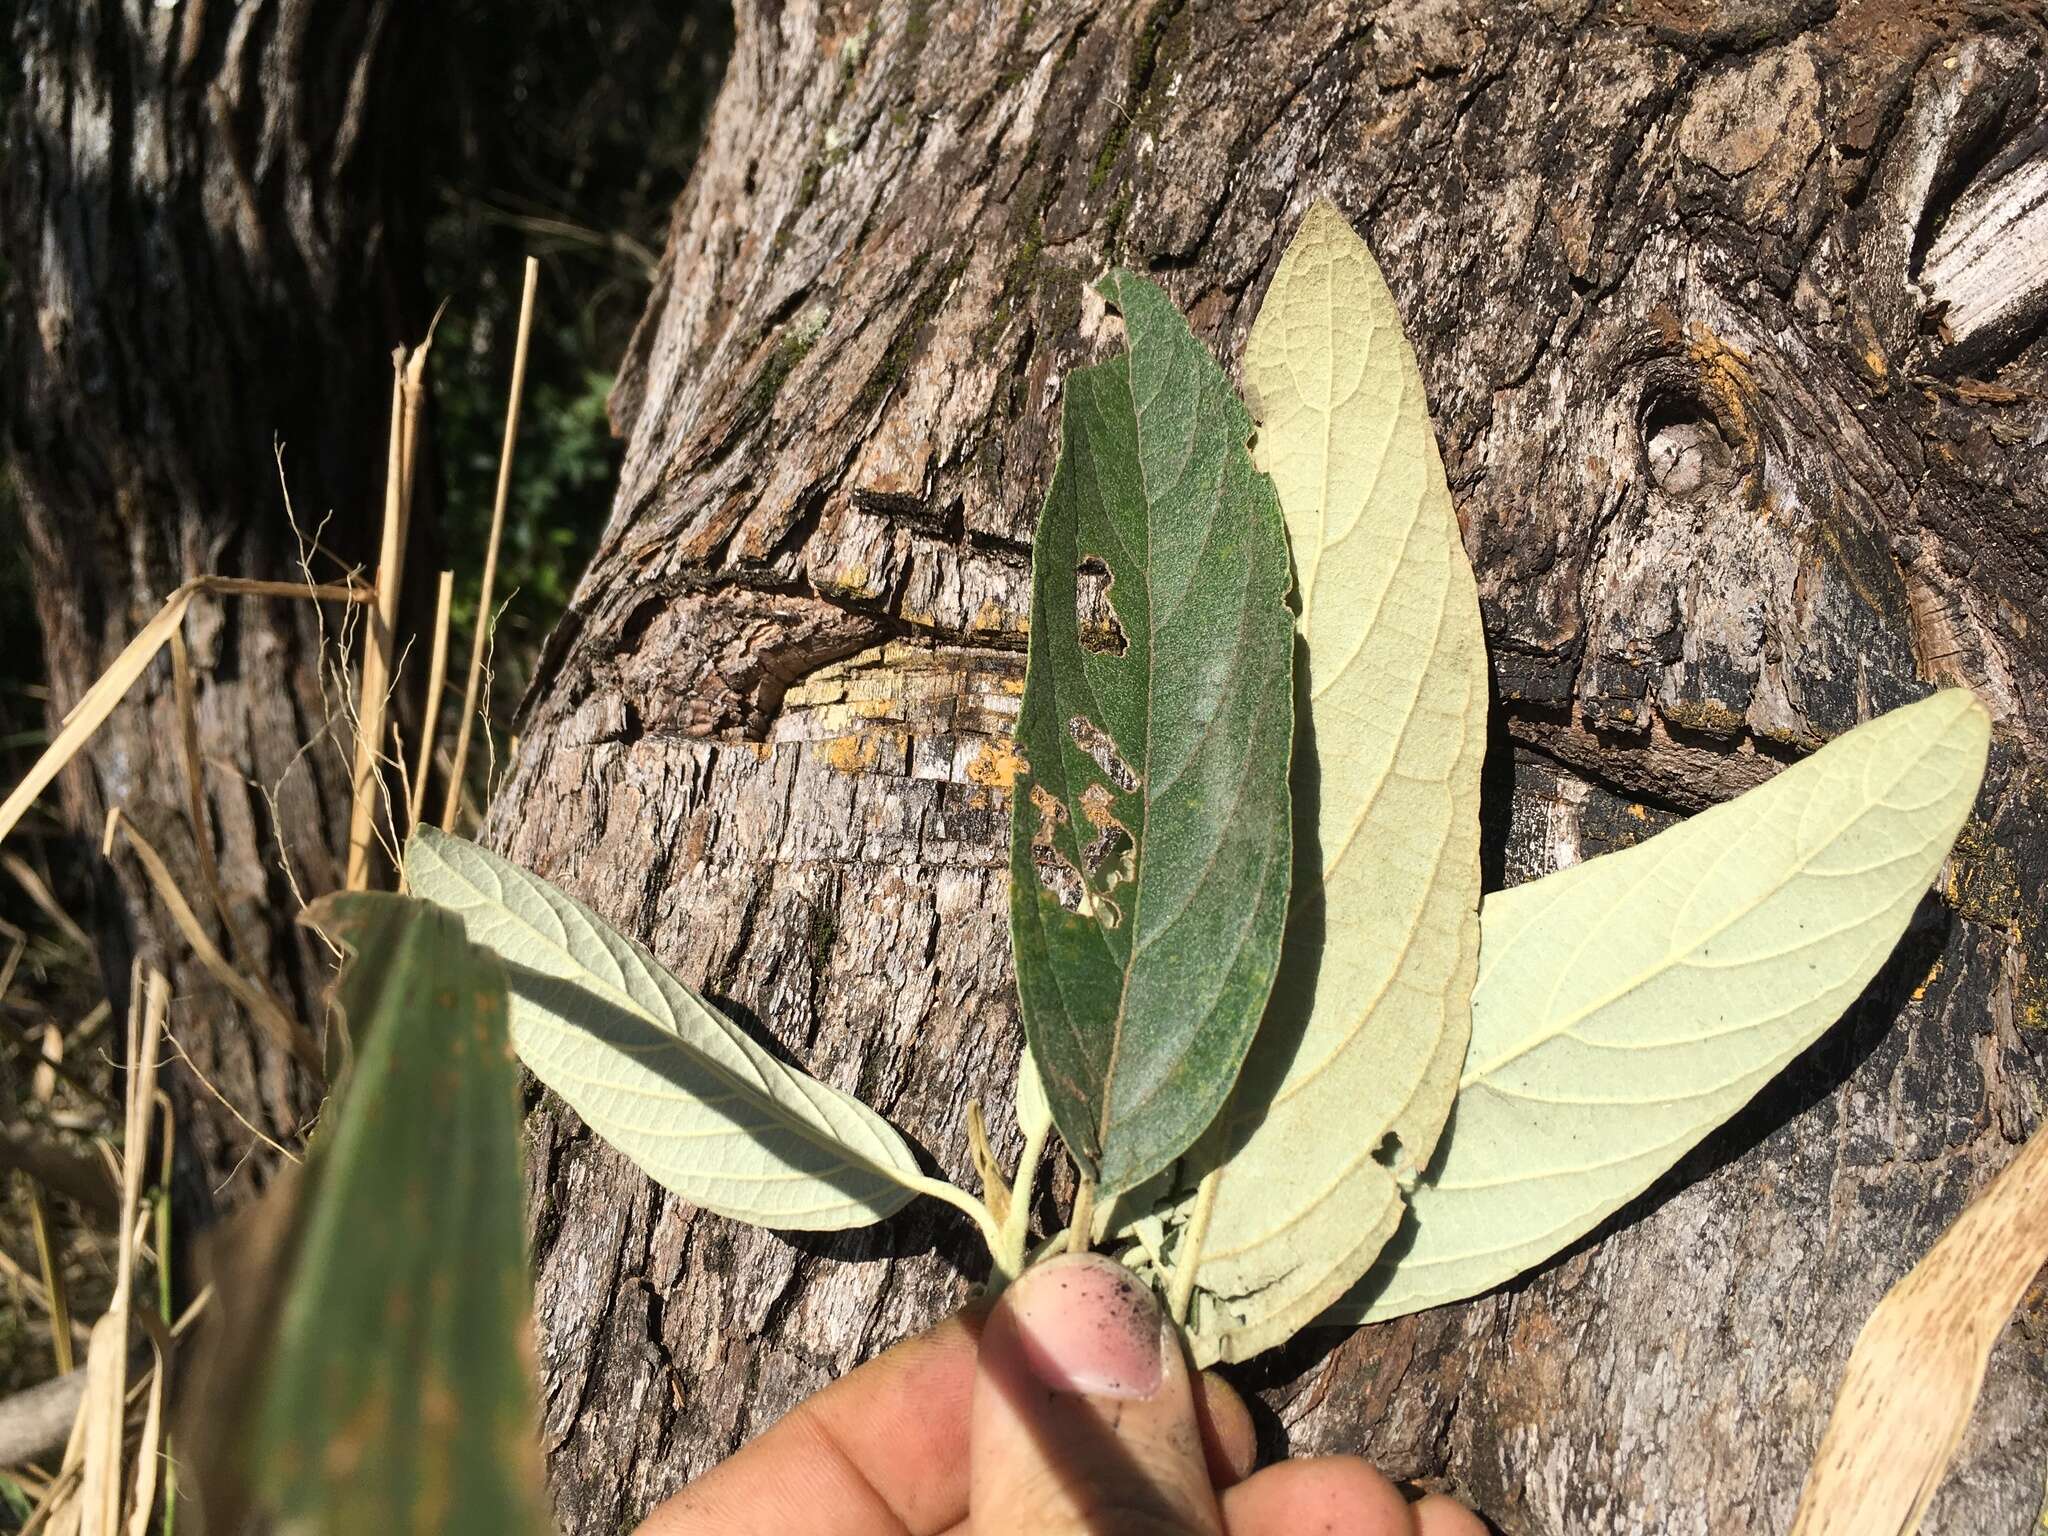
[1086,1324]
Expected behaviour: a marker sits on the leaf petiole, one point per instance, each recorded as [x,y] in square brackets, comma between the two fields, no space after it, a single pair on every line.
[1189,1259]
[960,1200]
[1080,1231]
[1016,1228]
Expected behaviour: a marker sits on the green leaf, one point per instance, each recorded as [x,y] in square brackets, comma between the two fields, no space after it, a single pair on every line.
[655,1070]
[400,1397]
[14,1498]
[1355,1066]
[1628,1005]
[1149,847]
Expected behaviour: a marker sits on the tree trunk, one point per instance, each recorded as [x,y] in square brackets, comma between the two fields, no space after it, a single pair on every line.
[1732,324]
[200,219]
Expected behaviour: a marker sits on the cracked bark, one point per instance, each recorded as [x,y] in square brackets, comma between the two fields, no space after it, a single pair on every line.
[200,211]
[1747,444]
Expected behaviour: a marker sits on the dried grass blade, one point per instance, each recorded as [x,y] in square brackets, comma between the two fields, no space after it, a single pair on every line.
[98,702]
[106,1382]
[42,1083]
[57,1515]
[265,1009]
[146,1035]
[243,586]
[149,1452]
[106,1363]
[56,1293]
[112,685]
[415,396]
[148,1455]
[1919,1363]
[37,891]
[195,794]
[452,798]
[378,643]
[437,679]
[95,1016]
[54,1287]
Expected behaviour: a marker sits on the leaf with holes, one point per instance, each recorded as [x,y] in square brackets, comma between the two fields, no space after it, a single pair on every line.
[1630,1004]
[400,1396]
[658,1072]
[1355,1065]
[1149,851]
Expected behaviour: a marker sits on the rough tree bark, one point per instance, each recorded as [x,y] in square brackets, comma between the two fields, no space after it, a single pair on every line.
[201,211]
[1732,321]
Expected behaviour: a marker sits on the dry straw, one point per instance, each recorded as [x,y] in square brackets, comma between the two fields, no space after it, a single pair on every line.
[55,1288]
[263,1007]
[33,887]
[90,1495]
[452,797]
[112,685]
[93,1491]
[430,714]
[379,658]
[1919,1364]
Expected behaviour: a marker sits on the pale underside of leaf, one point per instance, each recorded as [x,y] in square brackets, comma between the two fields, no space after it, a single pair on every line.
[657,1072]
[1350,1078]
[1628,1005]
[1034,1112]
[1150,843]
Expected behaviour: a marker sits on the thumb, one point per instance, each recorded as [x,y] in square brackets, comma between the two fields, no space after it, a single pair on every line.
[1084,1415]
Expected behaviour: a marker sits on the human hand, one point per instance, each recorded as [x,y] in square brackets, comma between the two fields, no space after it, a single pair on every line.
[1069,1411]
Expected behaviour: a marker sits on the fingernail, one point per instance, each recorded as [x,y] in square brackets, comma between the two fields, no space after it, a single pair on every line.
[1086,1324]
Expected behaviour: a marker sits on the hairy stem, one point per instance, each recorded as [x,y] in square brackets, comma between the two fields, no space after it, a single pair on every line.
[960,1200]
[1017,1228]
[1080,1229]
[1190,1257]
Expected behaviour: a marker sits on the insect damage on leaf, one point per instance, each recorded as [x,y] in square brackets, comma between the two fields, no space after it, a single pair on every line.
[1150,850]
[1102,632]
[1354,1067]
[1623,1009]
[1057,874]
[1090,739]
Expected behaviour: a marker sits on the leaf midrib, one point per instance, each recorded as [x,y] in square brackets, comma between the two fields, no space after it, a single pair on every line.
[1067,1013]
[1872,804]
[1434,671]
[1139,942]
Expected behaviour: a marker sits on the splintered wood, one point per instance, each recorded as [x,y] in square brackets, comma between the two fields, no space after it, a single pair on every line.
[1918,1365]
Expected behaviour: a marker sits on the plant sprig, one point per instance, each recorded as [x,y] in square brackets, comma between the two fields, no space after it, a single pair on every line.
[1245,898]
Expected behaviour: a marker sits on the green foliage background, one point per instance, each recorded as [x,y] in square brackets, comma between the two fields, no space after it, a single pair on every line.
[572,130]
